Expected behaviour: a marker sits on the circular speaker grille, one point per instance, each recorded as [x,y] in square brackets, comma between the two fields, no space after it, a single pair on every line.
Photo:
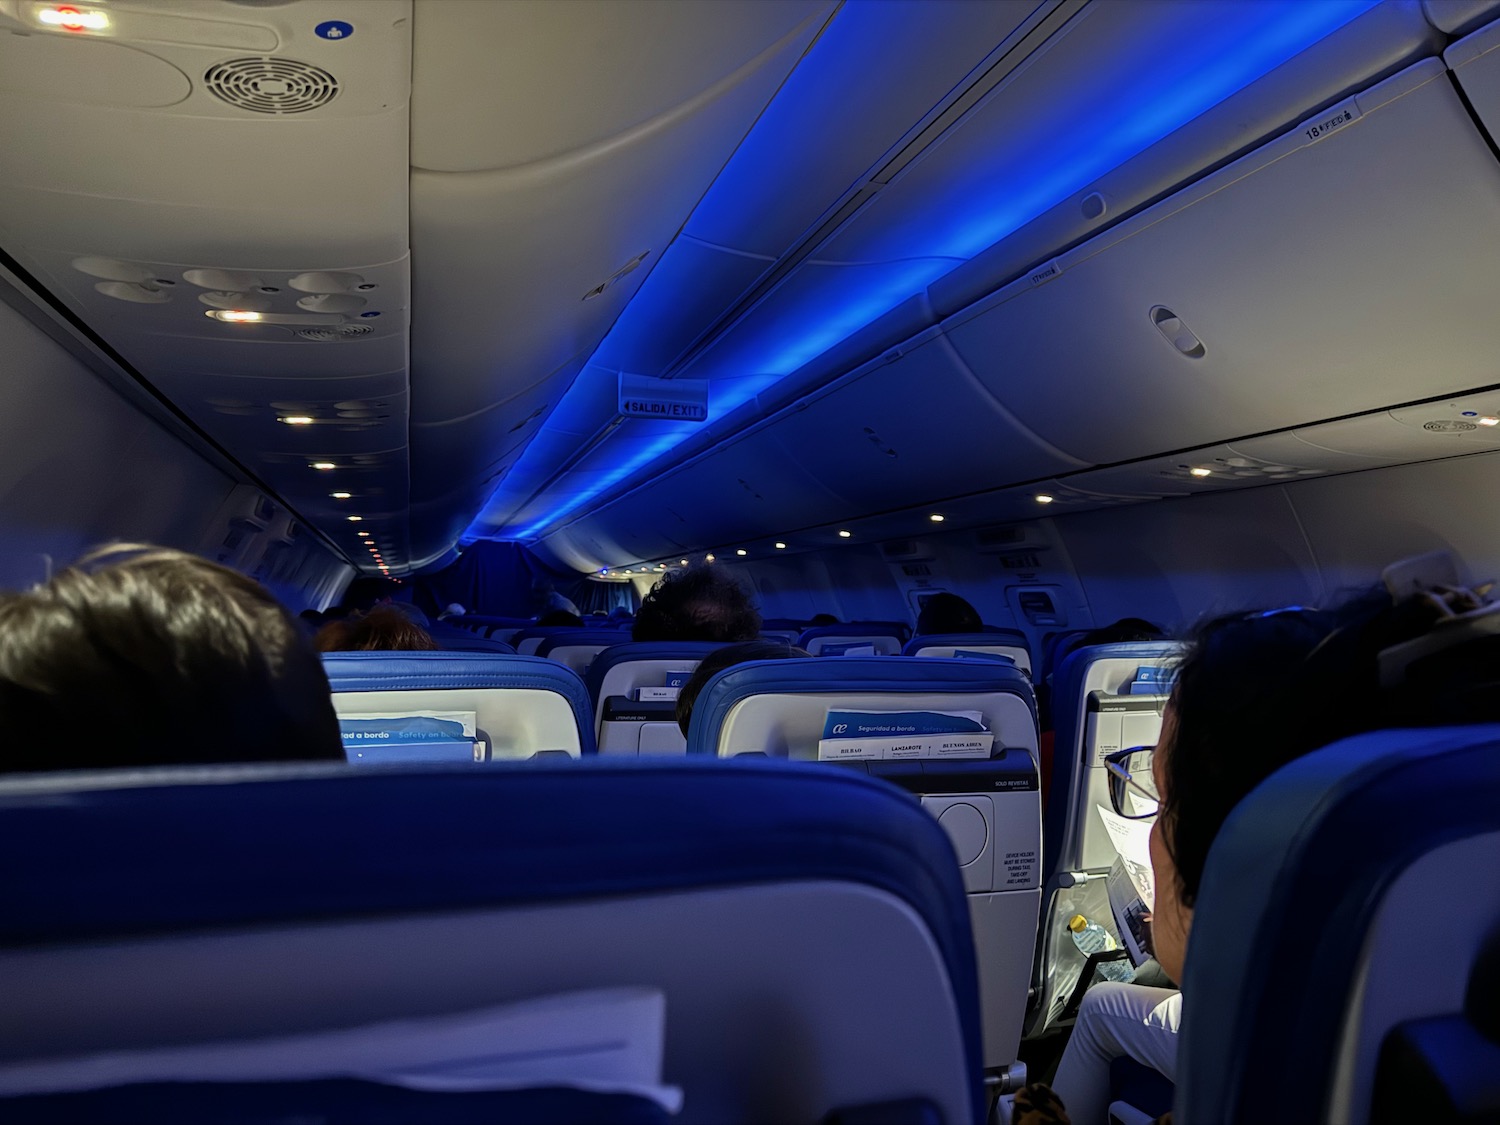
[266,85]
[337,332]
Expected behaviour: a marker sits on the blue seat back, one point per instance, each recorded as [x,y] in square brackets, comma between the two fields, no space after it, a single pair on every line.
[612,681]
[577,648]
[885,637]
[488,625]
[527,639]
[451,639]
[991,809]
[1010,643]
[777,707]
[819,913]
[523,705]
[1349,903]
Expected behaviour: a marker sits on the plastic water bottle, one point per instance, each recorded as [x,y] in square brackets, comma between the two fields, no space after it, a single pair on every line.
[1091,938]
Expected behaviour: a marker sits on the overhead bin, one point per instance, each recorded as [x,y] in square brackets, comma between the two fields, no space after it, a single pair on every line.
[1316,274]
[1459,16]
[908,430]
[1475,62]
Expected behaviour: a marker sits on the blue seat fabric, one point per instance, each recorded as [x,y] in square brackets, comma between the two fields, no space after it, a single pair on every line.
[1298,867]
[846,674]
[450,639]
[435,671]
[295,843]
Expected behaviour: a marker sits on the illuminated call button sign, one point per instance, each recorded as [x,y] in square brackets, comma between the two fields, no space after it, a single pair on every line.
[674,400]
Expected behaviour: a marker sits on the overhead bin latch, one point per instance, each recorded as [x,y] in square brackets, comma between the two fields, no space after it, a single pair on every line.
[1176,333]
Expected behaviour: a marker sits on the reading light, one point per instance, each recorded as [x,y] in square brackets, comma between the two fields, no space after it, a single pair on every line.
[363,534]
[604,571]
[73,19]
[708,558]
[1200,472]
[1043,498]
[781,546]
[742,551]
[323,465]
[341,495]
[845,534]
[295,420]
[936,518]
[234,316]
[1487,420]
[684,562]
[355,519]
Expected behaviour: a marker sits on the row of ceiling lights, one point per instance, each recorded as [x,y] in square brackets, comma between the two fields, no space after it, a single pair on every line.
[936,517]
[328,467]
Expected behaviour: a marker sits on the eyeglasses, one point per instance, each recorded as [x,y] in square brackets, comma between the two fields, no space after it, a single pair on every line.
[1132,786]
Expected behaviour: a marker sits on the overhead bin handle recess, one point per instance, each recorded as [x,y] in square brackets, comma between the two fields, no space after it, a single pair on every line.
[1176,333]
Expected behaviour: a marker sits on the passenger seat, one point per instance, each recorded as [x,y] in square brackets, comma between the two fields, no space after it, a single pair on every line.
[177,938]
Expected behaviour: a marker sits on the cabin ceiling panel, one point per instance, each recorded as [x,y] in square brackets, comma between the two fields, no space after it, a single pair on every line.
[913,429]
[946,198]
[540,79]
[166,177]
[880,69]
[1447,428]
[754,487]
[1008,161]
[505,258]
[1315,274]
[696,282]
[1476,64]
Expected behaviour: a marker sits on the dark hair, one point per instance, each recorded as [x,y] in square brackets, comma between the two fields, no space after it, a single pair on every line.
[1256,691]
[1122,631]
[947,613]
[727,657]
[141,656]
[700,604]
[364,593]
[560,617]
[386,629]
[823,619]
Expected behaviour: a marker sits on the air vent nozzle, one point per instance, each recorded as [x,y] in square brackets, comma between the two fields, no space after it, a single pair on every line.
[335,332]
[270,85]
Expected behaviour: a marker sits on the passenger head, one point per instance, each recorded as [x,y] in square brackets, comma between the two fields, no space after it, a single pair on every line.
[561,617]
[334,635]
[727,657]
[700,604]
[365,593]
[1122,631]
[452,609]
[142,656]
[823,619]
[948,613]
[383,629]
[1256,691]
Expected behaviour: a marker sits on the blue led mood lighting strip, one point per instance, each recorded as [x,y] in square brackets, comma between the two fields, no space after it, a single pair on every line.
[1170,88]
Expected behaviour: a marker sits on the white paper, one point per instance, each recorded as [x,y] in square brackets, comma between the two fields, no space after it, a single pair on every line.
[1132,840]
[605,1040]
